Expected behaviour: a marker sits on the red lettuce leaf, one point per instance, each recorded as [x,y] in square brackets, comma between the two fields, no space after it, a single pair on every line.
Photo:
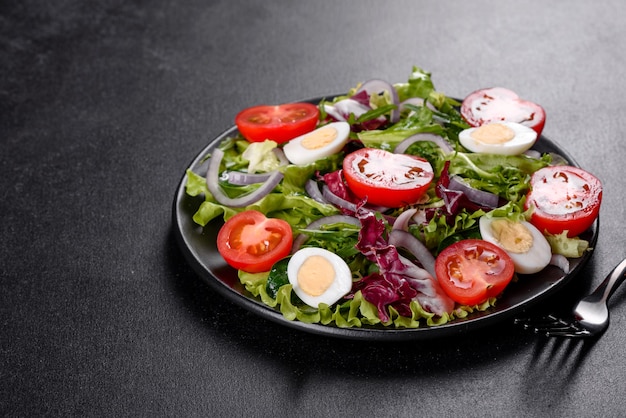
[398,281]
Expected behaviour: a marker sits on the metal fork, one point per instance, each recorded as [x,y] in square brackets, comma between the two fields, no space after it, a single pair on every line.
[591,314]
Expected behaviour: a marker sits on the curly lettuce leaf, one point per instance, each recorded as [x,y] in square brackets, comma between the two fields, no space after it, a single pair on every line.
[297,210]
[419,84]
[569,247]
[507,176]
[261,157]
[440,230]
[339,238]
[353,313]
[422,121]
[196,184]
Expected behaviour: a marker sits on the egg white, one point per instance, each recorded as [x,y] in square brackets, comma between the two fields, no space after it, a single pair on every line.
[524,138]
[532,261]
[298,154]
[340,286]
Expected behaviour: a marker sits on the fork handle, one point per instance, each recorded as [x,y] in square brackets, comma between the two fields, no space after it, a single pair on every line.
[612,281]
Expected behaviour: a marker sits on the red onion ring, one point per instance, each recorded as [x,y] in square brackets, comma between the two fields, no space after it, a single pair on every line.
[239,178]
[344,108]
[402,221]
[560,261]
[479,197]
[238,202]
[532,153]
[436,139]
[334,113]
[406,240]
[326,220]
[336,200]
[280,154]
[376,86]
[314,192]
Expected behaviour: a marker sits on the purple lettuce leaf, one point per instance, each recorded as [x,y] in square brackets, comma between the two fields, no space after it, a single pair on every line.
[398,280]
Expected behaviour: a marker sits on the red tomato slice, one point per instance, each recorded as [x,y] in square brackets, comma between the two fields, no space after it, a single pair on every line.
[279,123]
[472,270]
[387,179]
[564,198]
[251,242]
[498,104]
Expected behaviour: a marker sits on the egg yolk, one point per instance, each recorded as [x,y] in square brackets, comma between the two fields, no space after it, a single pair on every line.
[315,275]
[319,138]
[513,236]
[493,133]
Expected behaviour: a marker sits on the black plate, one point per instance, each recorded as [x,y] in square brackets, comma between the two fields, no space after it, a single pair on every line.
[198,245]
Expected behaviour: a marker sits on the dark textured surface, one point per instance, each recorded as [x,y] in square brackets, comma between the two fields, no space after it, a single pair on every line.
[103,105]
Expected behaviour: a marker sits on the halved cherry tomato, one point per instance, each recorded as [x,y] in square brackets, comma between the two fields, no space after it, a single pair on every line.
[387,179]
[564,198]
[251,242]
[498,104]
[279,123]
[472,270]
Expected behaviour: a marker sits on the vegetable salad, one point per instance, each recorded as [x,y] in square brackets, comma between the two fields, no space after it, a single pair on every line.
[398,208]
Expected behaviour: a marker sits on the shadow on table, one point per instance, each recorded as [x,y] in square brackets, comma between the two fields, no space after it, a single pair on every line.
[300,352]
[555,365]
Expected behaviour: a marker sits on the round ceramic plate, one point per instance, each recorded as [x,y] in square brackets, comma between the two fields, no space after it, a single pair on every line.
[198,245]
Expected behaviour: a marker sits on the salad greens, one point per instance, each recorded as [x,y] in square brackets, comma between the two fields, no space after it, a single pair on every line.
[288,201]
[442,224]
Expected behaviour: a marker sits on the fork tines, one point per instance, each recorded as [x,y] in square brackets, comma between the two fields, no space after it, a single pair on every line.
[551,326]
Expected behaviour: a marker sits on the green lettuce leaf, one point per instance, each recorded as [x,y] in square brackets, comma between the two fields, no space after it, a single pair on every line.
[420,84]
[420,122]
[339,238]
[355,312]
[297,210]
[288,201]
[508,176]
[569,247]
[261,157]
[439,232]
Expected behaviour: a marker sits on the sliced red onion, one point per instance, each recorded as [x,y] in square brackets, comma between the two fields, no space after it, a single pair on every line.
[238,202]
[350,106]
[421,216]
[327,220]
[406,240]
[557,159]
[336,200]
[436,139]
[280,154]
[239,178]
[421,274]
[560,261]
[334,113]
[430,295]
[402,221]
[377,86]
[479,197]
[532,153]
[376,208]
[314,192]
